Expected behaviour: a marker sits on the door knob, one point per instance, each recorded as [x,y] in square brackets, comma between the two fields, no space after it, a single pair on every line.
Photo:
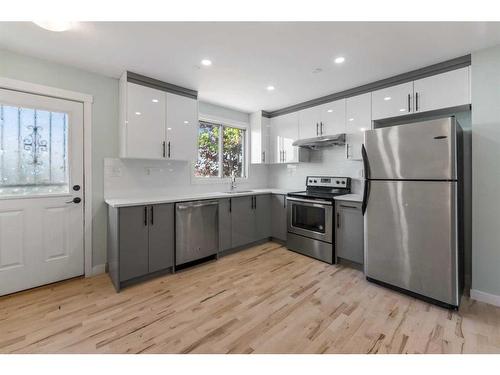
[76,187]
[75,200]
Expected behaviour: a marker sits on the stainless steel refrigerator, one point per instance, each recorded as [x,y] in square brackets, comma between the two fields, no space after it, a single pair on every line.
[412,206]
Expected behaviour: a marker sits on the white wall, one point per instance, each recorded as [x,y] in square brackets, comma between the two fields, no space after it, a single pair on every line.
[486,172]
[133,178]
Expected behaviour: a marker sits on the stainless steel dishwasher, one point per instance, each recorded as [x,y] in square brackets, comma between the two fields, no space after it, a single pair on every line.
[196,230]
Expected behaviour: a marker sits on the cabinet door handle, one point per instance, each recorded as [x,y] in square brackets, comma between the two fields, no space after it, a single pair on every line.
[409,103]
[346,206]
[317,132]
[230,205]
[321,128]
[284,202]
[416,102]
[255,200]
[169,149]
[284,156]
[347,150]
[163,146]
[152,215]
[145,216]
[338,220]
[263,156]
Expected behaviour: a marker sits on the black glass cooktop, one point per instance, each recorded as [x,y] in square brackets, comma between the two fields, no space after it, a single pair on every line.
[318,194]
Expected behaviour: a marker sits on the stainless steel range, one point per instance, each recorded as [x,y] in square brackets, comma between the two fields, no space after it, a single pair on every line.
[310,216]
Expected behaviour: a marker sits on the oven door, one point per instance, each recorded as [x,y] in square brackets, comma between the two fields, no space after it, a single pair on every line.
[310,218]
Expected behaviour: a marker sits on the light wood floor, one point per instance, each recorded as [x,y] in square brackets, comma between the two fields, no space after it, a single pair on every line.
[262,300]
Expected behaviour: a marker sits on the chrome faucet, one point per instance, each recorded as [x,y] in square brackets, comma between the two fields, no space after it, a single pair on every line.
[232,181]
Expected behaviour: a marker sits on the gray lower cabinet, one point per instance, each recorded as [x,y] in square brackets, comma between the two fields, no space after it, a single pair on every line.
[349,231]
[250,219]
[242,221]
[225,224]
[140,241]
[278,217]
[262,216]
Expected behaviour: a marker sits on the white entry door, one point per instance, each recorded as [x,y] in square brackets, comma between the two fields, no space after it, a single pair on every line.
[41,190]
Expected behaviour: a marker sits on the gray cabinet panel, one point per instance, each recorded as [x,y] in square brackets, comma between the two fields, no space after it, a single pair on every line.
[278,217]
[224,224]
[263,216]
[242,221]
[161,236]
[133,234]
[349,231]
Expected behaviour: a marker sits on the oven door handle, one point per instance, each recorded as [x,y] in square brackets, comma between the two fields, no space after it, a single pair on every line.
[310,201]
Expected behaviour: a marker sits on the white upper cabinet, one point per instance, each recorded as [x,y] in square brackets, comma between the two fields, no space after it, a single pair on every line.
[358,120]
[284,130]
[324,119]
[155,124]
[259,138]
[309,120]
[392,101]
[332,117]
[446,90]
[182,127]
[145,122]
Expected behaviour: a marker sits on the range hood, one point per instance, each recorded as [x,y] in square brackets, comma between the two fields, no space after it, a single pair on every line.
[320,142]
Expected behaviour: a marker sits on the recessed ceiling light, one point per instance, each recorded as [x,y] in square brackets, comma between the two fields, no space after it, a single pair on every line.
[54,25]
[330,111]
[387,98]
[206,62]
[186,122]
[169,128]
[270,88]
[339,60]
[362,129]
[351,119]
[402,110]
[138,113]
[155,100]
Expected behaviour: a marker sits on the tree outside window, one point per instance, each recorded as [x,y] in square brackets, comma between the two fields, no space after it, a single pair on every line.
[213,163]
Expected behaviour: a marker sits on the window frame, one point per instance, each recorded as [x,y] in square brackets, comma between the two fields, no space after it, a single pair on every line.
[229,124]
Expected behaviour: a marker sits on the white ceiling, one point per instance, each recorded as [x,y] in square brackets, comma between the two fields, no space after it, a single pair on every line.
[247,57]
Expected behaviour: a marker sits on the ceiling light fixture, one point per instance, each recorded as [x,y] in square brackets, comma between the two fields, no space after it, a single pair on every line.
[186,122]
[351,119]
[339,60]
[155,100]
[138,113]
[330,111]
[402,110]
[206,62]
[270,88]
[57,26]
[387,98]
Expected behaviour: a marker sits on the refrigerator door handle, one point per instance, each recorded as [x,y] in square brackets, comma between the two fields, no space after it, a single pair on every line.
[366,195]
[366,163]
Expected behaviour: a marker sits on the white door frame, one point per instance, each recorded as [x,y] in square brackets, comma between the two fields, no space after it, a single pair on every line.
[87,100]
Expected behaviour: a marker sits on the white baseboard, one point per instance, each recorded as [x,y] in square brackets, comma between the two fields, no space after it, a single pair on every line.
[98,269]
[492,299]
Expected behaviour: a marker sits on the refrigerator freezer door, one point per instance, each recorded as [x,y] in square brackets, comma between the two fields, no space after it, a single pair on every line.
[411,237]
[419,151]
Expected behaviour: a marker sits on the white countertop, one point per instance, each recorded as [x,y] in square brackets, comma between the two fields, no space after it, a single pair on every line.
[139,201]
[349,198]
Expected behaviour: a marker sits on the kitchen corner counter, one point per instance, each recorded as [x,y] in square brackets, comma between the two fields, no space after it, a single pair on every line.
[144,200]
[349,198]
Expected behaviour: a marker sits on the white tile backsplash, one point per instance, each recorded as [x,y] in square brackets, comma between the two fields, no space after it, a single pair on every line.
[133,177]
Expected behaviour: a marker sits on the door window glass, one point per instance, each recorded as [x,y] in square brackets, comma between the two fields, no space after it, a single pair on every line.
[33,151]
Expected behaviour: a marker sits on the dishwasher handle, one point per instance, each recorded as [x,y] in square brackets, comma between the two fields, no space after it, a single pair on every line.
[185,206]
